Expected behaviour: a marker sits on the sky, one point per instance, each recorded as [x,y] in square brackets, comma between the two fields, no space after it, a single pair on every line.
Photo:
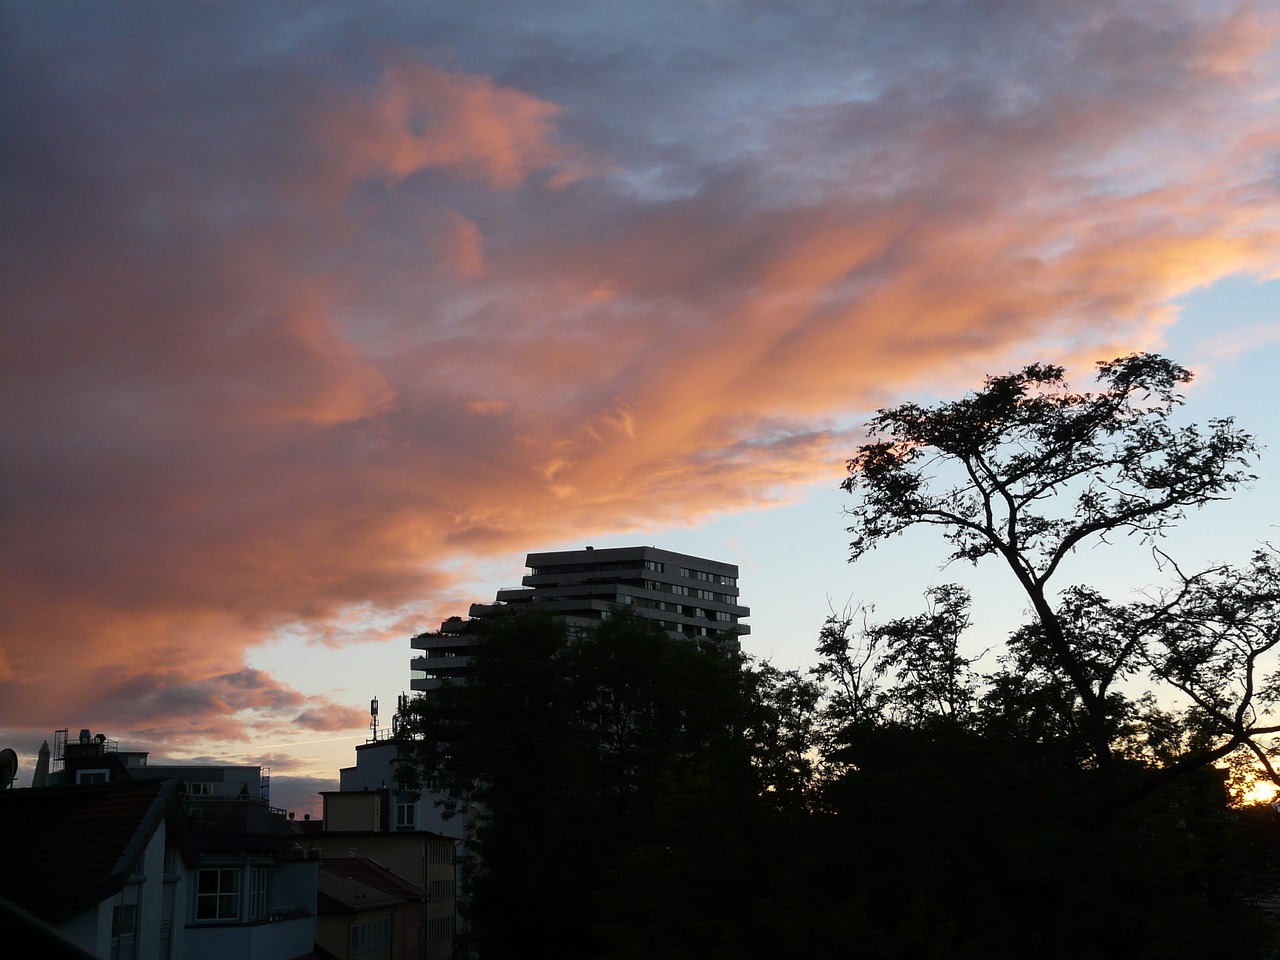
[318,317]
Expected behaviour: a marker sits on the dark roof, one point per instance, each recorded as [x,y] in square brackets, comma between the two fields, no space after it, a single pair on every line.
[67,848]
[340,895]
[373,874]
[352,884]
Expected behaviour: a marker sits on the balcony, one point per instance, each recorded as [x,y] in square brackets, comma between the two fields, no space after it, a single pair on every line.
[292,935]
[234,816]
[449,662]
[436,641]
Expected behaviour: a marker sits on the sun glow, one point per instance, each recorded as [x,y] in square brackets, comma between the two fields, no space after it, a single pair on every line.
[1260,791]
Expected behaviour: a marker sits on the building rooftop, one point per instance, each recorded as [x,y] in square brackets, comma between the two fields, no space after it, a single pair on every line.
[66,848]
[349,884]
[688,596]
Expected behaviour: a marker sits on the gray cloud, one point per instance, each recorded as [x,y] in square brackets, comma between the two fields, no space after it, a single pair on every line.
[305,303]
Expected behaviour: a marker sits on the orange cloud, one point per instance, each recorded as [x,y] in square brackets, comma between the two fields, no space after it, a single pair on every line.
[423,118]
[285,362]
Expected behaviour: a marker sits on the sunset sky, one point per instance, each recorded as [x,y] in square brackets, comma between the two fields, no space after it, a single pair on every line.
[317,317]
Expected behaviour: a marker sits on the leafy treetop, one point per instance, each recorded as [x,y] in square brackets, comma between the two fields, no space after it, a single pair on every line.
[1024,440]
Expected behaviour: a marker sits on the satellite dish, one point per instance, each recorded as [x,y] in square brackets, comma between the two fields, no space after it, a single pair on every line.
[8,768]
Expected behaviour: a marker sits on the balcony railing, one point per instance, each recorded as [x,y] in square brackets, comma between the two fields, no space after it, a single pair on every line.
[234,815]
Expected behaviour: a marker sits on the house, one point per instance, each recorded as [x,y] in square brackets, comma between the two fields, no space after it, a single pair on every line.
[376,764]
[356,824]
[255,890]
[365,910]
[109,866]
[248,889]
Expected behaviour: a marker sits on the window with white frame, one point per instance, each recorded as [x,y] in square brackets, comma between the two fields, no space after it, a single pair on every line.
[259,900]
[406,815]
[218,894]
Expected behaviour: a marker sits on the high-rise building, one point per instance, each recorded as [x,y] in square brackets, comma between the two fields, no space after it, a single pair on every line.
[688,596]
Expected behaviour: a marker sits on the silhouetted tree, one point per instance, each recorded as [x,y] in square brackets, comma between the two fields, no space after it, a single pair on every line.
[1039,470]
[614,776]
[962,825]
[1053,805]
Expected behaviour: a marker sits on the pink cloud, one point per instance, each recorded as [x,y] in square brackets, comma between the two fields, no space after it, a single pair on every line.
[279,361]
[323,714]
[422,118]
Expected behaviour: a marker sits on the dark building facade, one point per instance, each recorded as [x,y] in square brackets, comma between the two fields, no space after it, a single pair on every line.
[688,596]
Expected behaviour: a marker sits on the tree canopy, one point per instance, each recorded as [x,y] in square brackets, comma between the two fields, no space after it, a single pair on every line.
[1133,708]
[1035,470]
[610,776]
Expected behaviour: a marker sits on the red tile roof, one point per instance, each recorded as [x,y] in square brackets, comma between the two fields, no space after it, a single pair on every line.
[345,877]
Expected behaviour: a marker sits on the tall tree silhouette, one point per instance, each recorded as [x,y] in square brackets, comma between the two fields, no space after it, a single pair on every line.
[1034,470]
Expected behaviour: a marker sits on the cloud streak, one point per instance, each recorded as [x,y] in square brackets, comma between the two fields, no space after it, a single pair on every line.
[305,307]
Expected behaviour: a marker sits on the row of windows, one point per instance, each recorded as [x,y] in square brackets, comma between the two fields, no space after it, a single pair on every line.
[620,565]
[707,614]
[444,673]
[438,852]
[680,590]
[440,890]
[561,569]
[673,607]
[206,788]
[709,577]
[689,629]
